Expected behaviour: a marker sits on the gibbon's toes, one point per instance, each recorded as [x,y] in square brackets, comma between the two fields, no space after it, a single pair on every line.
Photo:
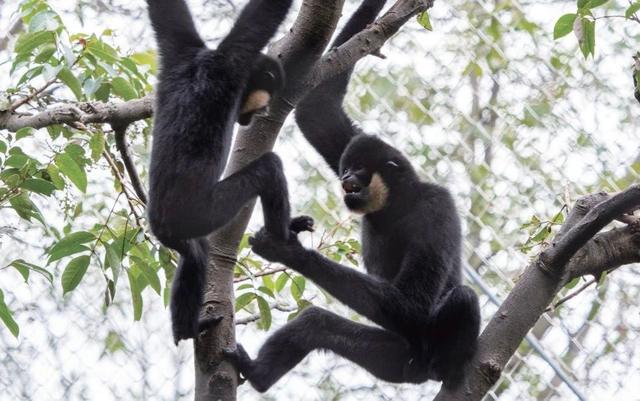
[208,323]
[236,356]
[301,223]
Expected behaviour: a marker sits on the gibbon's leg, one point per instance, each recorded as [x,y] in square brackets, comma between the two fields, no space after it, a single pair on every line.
[213,207]
[453,334]
[384,354]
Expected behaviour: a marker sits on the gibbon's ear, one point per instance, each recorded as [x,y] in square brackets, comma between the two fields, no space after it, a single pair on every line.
[391,163]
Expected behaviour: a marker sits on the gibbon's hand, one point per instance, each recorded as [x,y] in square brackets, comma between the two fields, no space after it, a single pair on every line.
[275,249]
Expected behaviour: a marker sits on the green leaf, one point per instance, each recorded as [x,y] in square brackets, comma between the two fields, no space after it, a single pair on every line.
[297,287]
[23,270]
[54,175]
[564,25]
[122,88]
[26,209]
[69,245]
[571,284]
[39,186]
[281,281]
[267,291]
[136,297]
[16,161]
[103,52]
[633,8]
[29,41]
[244,300]
[45,54]
[265,313]
[96,143]
[149,273]
[66,76]
[112,259]
[62,252]
[166,296]
[22,265]
[425,21]
[72,170]
[595,3]
[588,42]
[25,132]
[3,147]
[74,272]
[7,317]
[91,85]
[146,58]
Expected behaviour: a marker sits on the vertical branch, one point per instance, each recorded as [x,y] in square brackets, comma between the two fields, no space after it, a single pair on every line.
[298,51]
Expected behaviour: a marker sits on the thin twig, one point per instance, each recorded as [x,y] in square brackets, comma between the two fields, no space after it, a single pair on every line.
[123,148]
[130,199]
[260,274]
[38,91]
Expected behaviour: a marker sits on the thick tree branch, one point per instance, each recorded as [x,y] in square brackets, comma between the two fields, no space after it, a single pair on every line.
[557,256]
[120,113]
[536,288]
[368,41]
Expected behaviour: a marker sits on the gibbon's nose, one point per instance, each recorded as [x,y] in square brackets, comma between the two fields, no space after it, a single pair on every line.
[350,186]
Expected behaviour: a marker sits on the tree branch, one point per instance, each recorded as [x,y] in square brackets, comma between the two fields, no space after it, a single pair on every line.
[120,113]
[368,41]
[123,148]
[536,288]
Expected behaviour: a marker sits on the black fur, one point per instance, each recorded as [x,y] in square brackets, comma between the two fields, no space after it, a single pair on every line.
[198,97]
[412,252]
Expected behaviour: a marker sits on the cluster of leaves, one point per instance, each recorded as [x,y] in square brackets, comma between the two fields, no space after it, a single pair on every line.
[86,64]
[583,23]
[539,230]
[48,62]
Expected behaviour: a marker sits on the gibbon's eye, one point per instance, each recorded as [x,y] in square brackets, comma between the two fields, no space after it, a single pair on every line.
[392,163]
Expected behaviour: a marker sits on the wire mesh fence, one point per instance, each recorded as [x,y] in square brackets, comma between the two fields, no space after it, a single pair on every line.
[515,124]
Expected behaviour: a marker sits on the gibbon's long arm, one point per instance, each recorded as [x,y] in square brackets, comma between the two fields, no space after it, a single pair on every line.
[320,114]
[254,27]
[173,24]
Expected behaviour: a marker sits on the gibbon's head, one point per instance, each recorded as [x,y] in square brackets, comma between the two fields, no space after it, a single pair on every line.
[267,77]
[369,169]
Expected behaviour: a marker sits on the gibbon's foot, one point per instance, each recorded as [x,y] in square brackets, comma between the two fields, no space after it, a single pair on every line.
[208,323]
[301,223]
[239,358]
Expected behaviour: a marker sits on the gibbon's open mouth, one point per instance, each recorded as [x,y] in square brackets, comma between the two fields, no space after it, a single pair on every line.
[351,188]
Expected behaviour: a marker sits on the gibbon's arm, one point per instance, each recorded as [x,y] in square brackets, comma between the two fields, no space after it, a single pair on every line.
[320,115]
[174,28]
[254,27]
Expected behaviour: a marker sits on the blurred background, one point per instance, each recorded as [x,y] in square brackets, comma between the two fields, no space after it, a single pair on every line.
[515,123]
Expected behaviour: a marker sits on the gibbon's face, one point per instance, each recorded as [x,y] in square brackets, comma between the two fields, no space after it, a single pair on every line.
[267,77]
[366,168]
[364,190]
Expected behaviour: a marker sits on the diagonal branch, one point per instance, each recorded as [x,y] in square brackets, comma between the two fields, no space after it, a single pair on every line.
[575,253]
[123,148]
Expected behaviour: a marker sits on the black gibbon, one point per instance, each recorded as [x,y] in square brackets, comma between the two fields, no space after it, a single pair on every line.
[200,94]
[411,244]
